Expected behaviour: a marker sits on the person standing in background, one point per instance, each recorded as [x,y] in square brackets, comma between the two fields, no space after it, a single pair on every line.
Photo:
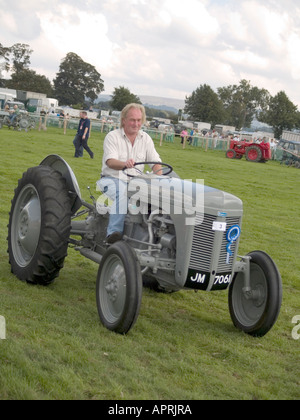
[83,135]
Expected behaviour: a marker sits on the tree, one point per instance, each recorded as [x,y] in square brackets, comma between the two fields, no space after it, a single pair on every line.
[4,63]
[15,58]
[242,103]
[29,80]
[297,123]
[281,114]
[122,97]
[76,80]
[204,105]
[20,57]
[4,59]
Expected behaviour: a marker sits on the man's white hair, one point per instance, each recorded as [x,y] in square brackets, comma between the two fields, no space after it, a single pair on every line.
[129,107]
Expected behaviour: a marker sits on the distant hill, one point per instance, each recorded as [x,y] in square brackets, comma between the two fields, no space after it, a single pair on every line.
[166,104]
[161,108]
[104,98]
[156,102]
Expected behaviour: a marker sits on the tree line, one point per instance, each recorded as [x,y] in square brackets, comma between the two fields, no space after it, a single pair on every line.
[238,105]
[78,83]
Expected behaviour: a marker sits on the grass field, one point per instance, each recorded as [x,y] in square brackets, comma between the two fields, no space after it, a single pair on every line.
[183,346]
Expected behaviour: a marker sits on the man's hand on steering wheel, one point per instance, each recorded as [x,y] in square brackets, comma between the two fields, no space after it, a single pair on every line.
[129,164]
[159,168]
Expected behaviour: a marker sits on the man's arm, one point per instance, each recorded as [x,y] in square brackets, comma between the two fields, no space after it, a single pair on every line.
[86,130]
[118,165]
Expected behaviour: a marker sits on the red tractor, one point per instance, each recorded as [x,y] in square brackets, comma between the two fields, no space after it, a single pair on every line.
[255,152]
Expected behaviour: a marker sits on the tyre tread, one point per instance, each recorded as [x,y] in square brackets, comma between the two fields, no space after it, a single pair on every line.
[55,226]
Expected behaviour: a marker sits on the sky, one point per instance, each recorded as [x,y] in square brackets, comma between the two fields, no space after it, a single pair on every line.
[165,48]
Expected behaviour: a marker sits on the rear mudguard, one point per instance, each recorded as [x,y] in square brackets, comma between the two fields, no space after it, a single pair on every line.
[60,165]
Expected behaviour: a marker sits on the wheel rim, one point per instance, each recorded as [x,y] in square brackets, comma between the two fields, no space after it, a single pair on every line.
[249,309]
[253,154]
[112,290]
[26,225]
[23,123]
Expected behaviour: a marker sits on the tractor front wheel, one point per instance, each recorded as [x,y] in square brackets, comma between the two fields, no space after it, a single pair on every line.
[119,288]
[231,154]
[256,312]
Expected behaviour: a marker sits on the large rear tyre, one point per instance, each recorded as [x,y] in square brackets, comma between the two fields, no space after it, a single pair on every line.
[119,288]
[256,314]
[39,226]
[253,154]
[24,124]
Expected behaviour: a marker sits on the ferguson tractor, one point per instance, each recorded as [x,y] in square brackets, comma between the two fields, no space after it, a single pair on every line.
[178,235]
[22,122]
[254,152]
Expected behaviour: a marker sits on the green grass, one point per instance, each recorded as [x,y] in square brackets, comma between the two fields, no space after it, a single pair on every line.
[183,345]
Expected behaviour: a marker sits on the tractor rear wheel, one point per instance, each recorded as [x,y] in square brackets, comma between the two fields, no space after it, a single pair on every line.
[24,124]
[39,226]
[255,313]
[253,154]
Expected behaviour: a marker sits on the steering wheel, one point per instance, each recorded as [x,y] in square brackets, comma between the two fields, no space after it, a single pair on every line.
[166,169]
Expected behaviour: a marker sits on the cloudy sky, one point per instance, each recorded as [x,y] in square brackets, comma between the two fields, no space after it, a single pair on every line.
[164,47]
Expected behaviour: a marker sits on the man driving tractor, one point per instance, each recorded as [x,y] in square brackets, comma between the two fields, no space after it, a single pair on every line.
[123,148]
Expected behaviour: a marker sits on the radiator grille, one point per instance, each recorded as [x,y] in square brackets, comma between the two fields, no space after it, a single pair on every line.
[203,243]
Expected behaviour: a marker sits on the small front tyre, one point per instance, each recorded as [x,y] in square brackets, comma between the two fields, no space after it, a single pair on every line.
[231,154]
[256,314]
[119,288]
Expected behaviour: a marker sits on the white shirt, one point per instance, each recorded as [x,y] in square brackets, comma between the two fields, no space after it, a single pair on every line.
[118,146]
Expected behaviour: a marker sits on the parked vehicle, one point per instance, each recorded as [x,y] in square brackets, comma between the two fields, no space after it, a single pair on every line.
[202,126]
[166,128]
[20,105]
[291,152]
[290,146]
[4,98]
[290,136]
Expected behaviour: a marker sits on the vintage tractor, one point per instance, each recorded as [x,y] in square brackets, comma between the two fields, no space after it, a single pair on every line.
[22,122]
[178,235]
[254,152]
